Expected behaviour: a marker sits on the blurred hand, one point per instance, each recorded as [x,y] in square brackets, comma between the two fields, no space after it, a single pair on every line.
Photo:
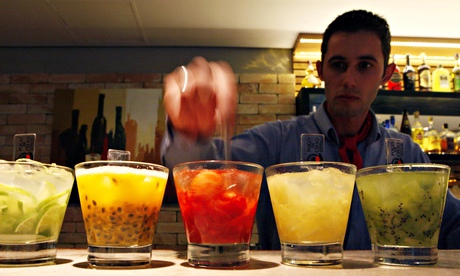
[200,97]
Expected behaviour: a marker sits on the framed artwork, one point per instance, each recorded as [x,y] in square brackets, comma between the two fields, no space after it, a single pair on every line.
[88,122]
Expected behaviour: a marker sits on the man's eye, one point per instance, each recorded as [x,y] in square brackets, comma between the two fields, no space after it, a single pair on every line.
[364,65]
[338,65]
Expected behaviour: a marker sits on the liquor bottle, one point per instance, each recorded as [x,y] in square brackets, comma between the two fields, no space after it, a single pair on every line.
[431,142]
[395,81]
[447,139]
[98,129]
[119,138]
[417,130]
[457,139]
[387,123]
[392,123]
[456,74]
[408,75]
[405,123]
[310,80]
[441,79]
[424,75]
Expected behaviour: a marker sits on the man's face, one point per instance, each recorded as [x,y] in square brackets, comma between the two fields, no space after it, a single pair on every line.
[352,70]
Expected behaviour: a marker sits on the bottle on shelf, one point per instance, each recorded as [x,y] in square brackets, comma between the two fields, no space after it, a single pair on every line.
[387,123]
[408,75]
[405,124]
[392,123]
[456,74]
[424,75]
[457,139]
[310,80]
[99,131]
[431,141]
[417,130]
[447,139]
[395,81]
[441,79]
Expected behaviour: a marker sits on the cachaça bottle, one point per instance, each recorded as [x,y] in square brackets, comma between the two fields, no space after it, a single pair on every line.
[441,79]
[447,139]
[424,75]
[417,130]
[99,129]
[395,81]
[431,141]
[392,123]
[405,124]
[408,75]
[456,74]
[310,80]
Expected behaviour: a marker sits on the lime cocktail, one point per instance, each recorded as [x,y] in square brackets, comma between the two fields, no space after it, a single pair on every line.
[120,202]
[218,202]
[33,202]
[403,206]
[311,203]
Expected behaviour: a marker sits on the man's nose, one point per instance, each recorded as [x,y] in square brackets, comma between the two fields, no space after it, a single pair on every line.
[349,78]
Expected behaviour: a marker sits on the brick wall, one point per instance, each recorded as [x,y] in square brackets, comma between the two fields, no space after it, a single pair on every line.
[27,104]
[170,232]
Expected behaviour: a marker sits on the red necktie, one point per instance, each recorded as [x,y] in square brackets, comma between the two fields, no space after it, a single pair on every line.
[348,149]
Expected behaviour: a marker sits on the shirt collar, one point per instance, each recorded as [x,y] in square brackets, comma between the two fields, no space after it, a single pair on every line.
[324,124]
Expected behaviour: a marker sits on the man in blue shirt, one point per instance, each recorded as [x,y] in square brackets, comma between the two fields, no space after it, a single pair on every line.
[354,63]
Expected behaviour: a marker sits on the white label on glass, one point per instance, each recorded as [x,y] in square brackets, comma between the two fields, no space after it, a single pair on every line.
[311,147]
[394,151]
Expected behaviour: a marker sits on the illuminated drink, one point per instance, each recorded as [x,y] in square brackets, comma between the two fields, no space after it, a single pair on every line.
[311,203]
[120,202]
[33,202]
[403,206]
[218,202]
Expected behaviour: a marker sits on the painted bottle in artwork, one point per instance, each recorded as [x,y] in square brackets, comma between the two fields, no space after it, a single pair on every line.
[119,138]
[99,130]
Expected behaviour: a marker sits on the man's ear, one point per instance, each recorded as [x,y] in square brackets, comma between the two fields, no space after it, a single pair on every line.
[389,70]
[319,69]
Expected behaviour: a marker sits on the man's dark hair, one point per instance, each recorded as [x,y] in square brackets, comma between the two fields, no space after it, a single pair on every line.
[360,20]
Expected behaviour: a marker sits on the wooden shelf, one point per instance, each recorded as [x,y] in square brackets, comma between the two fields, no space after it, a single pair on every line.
[391,102]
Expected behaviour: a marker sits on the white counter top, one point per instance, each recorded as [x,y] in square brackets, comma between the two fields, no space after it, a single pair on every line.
[167,262]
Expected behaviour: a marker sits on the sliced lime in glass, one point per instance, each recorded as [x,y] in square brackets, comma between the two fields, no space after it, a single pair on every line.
[27,226]
[12,190]
[50,222]
[46,191]
[18,201]
[52,199]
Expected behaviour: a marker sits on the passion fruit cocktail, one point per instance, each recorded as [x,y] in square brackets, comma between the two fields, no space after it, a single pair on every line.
[33,202]
[120,202]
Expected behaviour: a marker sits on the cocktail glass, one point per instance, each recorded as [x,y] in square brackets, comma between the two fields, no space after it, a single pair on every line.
[311,203]
[403,206]
[33,202]
[120,202]
[218,202]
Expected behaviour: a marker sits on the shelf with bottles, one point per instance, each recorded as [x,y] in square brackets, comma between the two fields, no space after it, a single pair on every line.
[391,102]
[425,73]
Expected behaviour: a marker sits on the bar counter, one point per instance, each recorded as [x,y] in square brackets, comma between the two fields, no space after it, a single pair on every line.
[167,262]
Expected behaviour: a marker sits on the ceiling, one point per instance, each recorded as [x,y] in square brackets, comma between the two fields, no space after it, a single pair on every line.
[207,23]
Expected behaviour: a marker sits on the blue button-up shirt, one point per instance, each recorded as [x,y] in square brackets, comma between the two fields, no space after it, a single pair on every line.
[280,142]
